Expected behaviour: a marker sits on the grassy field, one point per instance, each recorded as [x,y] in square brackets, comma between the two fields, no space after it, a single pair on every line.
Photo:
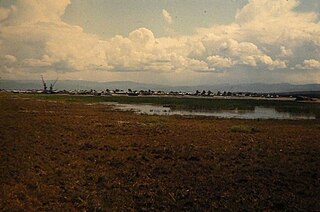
[65,156]
[195,103]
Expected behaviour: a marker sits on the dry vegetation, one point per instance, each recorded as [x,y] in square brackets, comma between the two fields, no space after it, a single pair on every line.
[73,156]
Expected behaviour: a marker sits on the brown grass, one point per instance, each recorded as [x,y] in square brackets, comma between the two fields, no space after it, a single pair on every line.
[72,156]
[243,129]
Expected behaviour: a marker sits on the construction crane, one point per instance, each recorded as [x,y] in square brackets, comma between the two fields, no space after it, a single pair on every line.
[52,85]
[44,85]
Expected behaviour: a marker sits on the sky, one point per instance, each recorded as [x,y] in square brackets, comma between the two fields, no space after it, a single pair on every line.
[174,42]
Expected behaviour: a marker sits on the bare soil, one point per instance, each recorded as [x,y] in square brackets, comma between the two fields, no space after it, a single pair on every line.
[72,156]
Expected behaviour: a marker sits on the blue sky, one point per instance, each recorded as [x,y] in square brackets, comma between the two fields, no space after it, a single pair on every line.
[109,18]
[161,41]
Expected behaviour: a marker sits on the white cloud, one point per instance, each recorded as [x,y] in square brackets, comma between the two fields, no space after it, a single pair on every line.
[241,53]
[142,37]
[219,61]
[260,28]
[285,52]
[166,16]
[276,22]
[257,10]
[33,11]
[312,64]
[266,35]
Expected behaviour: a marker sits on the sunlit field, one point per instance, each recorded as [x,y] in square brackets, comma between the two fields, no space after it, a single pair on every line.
[61,153]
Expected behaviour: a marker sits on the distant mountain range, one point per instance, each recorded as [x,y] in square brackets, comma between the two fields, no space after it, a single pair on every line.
[125,85]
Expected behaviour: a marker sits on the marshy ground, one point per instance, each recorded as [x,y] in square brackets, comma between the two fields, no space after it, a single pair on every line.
[58,155]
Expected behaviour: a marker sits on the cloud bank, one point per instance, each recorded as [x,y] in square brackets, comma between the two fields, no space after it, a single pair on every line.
[267,35]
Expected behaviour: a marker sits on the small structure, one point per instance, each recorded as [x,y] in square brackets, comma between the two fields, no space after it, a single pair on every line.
[45,86]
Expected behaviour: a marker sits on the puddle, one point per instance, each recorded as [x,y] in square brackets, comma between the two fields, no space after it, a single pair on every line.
[257,113]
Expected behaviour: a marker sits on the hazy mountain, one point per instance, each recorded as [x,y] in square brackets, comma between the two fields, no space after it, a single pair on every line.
[125,85]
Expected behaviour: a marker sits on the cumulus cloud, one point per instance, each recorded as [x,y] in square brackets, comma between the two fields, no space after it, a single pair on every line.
[36,11]
[219,61]
[266,35]
[166,16]
[312,64]
[277,22]
[285,52]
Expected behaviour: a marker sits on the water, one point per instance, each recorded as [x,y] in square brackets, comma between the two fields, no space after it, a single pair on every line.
[257,113]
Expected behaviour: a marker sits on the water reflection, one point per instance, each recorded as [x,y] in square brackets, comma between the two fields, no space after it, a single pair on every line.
[257,113]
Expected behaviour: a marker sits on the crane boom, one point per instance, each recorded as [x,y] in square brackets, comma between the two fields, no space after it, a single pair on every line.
[44,84]
[52,85]
[55,82]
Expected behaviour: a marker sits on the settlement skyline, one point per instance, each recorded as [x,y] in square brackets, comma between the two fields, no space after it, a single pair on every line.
[178,42]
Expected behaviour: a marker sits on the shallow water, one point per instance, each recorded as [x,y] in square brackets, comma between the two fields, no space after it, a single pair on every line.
[257,113]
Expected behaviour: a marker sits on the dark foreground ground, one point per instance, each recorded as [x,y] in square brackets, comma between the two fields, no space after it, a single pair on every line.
[72,156]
